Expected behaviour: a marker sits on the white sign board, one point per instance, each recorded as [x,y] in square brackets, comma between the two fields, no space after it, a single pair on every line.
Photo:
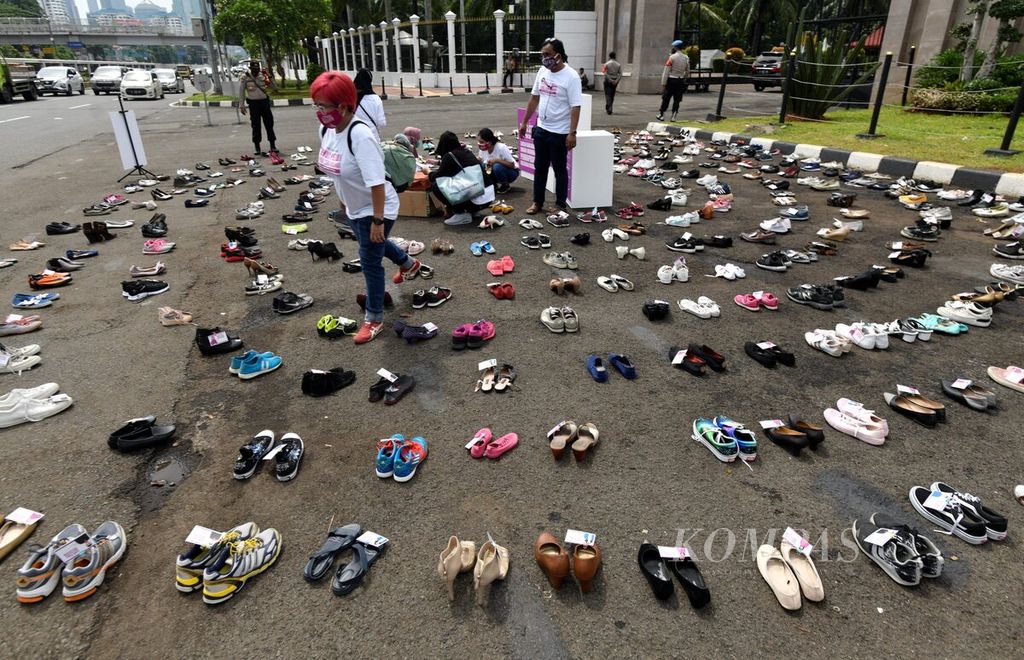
[202,82]
[126,132]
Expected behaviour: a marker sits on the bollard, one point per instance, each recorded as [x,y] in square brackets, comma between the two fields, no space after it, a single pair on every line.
[1011,127]
[487,84]
[878,99]
[421,85]
[383,90]
[717,116]
[469,85]
[786,86]
[910,70]
[451,89]
[401,88]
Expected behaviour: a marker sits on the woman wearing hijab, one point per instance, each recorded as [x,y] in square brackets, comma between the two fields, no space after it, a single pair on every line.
[452,158]
[369,107]
[416,137]
[351,155]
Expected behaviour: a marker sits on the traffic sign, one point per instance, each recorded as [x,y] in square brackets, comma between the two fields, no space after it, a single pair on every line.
[202,82]
[76,44]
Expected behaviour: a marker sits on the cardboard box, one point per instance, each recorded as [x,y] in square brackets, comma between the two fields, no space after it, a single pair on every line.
[416,204]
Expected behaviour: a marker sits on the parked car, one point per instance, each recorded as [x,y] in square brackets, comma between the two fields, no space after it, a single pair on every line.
[767,70]
[138,84]
[184,71]
[107,79]
[170,80]
[59,80]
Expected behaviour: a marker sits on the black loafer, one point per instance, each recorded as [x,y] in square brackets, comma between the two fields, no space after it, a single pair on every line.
[718,241]
[318,383]
[709,355]
[654,569]
[761,355]
[580,239]
[214,341]
[139,434]
[655,310]
[789,439]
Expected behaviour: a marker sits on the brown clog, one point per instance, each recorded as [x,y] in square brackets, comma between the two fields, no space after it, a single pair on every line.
[586,560]
[552,558]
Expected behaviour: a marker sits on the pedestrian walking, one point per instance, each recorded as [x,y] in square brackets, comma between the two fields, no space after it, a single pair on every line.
[556,98]
[255,101]
[511,64]
[350,154]
[612,71]
[369,107]
[673,79]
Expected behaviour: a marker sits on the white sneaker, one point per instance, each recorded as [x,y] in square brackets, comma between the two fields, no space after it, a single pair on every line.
[680,272]
[679,220]
[852,225]
[459,219]
[938,213]
[682,160]
[856,333]
[678,198]
[777,225]
[640,253]
[646,163]
[33,410]
[41,392]
[809,180]
[966,312]
[707,180]
[694,308]
[1009,273]
[710,305]
[665,275]
[619,234]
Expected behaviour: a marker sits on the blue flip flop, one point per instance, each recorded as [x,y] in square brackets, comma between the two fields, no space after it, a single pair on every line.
[486,247]
[476,248]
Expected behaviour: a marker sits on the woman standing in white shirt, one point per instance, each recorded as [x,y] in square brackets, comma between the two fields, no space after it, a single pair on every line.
[351,155]
[369,107]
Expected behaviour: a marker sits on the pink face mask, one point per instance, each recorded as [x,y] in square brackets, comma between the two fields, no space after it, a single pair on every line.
[331,119]
[483,146]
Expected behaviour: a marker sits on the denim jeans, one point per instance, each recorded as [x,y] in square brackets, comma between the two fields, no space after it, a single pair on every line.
[502,174]
[370,255]
[550,150]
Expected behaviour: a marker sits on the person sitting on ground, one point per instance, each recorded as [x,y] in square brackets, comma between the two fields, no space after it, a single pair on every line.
[452,159]
[496,156]
[369,107]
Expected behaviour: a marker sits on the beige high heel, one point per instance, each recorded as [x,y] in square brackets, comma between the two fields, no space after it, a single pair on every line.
[491,564]
[456,558]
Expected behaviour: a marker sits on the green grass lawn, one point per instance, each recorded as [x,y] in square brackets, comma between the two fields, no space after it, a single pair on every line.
[279,93]
[956,139]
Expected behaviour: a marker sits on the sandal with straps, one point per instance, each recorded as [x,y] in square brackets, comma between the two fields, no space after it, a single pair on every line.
[506,376]
[338,541]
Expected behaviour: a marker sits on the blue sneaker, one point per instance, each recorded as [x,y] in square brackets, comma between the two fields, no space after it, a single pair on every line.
[595,365]
[81,254]
[746,441]
[237,360]
[387,450]
[33,301]
[258,365]
[412,453]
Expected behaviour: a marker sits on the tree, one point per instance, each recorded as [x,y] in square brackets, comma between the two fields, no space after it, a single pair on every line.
[1007,11]
[979,8]
[753,15]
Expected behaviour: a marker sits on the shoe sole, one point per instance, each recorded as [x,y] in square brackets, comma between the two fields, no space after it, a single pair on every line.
[778,269]
[1006,256]
[258,373]
[920,508]
[145,294]
[889,570]
[38,594]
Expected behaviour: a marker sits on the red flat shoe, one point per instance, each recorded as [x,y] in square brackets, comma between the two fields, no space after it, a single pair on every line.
[502,445]
[497,289]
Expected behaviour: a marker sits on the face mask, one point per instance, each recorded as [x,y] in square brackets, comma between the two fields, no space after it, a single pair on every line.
[330,119]
[483,146]
[549,62]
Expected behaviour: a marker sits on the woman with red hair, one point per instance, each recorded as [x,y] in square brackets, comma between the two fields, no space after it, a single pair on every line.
[351,155]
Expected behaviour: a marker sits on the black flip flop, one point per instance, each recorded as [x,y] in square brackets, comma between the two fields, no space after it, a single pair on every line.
[339,540]
[351,575]
[398,389]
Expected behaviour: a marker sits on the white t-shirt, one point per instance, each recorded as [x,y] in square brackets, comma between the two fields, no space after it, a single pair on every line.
[559,93]
[355,172]
[371,111]
[500,152]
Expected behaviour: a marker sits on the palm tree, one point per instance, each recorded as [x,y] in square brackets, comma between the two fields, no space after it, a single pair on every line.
[752,15]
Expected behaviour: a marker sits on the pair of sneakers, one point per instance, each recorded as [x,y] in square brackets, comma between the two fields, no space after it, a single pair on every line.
[264,447]
[75,559]
[398,458]
[223,565]
[677,272]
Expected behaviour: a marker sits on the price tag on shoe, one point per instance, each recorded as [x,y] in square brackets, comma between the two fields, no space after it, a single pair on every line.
[669,552]
[577,537]
[487,364]
[23,516]
[72,549]
[372,538]
[204,537]
[758,294]
[218,338]
[687,236]
[893,255]
[387,375]
[13,318]
[766,345]
[679,357]
[987,198]
[937,500]
[961,383]
[4,359]
[903,389]
[791,537]
[274,452]
[429,327]
[771,423]
[261,278]
[880,536]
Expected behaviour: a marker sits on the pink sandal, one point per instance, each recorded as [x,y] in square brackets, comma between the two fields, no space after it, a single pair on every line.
[503,444]
[495,267]
[480,442]
[507,264]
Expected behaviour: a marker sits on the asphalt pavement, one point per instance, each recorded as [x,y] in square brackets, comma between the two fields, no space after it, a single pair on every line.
[647,480]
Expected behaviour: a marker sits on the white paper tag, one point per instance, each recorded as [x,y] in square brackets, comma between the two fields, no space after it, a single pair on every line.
[962,383]
[987,198]
[218,338]
[274,452]
[937,500]
[898,245]
[292,231]
[4,359]
[429,327]
[384,373]
[903,389]
[679,357]
[203,536]
[487,364]
[660,302]
[765,345]
[372,538]
[797,541]
[771,423]
[576,537]
[669,552]
[893,255]
[23,516]
[758,294]
[880,536]
[261,278]
[69,551]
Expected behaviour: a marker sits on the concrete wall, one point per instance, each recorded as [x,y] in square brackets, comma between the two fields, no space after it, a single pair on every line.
[640,32]
[578,31]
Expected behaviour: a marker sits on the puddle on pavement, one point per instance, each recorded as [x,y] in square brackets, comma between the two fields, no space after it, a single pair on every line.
[167,472]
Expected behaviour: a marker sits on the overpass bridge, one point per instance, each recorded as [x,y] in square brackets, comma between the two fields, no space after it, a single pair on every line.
[40,31]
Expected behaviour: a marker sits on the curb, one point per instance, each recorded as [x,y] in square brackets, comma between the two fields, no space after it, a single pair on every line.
[1003,183]
[277,103]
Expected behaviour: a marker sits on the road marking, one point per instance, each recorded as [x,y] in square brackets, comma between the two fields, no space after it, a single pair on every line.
[79,160]
[58,119]
[4,121]
[76,107]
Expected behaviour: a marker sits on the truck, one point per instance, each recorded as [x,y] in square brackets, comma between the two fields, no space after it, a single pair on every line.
[17,79]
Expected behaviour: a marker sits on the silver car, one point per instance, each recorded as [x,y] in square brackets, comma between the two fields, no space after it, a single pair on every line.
[170,80]
[107,79]
[59,80]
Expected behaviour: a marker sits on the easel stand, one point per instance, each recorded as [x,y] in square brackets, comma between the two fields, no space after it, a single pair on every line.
[138,169]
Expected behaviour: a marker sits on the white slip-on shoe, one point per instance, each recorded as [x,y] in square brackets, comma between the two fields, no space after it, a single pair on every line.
[710,305]
[852,225]
[640,253]
[779,576]
[619,234]
[622,282]
[777,225]
[678,220]
[608,236]
[805,571]
[698,310]
[33,410]
[621,251]
[607,283]
[41,392]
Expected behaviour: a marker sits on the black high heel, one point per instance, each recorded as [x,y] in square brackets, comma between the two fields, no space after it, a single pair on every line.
[101,229]
[321,250]
[91,234]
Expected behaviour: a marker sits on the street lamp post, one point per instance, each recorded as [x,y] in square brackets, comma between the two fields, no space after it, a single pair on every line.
[398,46]
[384,44]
